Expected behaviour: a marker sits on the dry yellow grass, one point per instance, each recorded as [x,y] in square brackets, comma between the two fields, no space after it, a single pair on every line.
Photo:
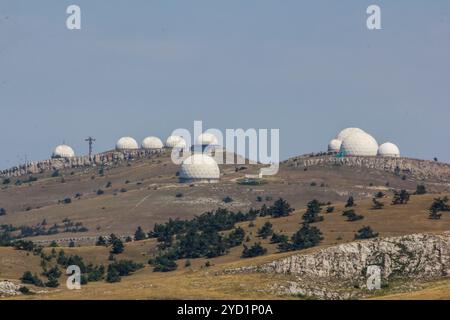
[197,282]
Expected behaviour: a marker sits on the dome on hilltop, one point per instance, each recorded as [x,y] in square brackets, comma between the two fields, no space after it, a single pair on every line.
[126,143]
[152,143]
[334,145]
[200,168]
[63,151]
[359,144]
[207,139]
[347,132]
[175,141]
[388,149]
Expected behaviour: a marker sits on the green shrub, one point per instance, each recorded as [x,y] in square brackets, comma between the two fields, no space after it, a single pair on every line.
[254,251]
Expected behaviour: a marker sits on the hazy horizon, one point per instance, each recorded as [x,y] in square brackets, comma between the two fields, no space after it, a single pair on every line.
[307,68]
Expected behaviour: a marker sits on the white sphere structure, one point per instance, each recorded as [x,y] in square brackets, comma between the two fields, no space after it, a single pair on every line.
[63,151]
[334,145]
[347,132]
[126,143]
[152,143]
[206,139]
[359,144]
[175,141]
[199,168]
[388,149]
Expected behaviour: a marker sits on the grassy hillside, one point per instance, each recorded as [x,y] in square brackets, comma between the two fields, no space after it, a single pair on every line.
[199,282]
[145,192]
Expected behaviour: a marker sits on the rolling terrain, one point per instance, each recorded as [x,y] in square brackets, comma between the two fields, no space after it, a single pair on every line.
[146,191]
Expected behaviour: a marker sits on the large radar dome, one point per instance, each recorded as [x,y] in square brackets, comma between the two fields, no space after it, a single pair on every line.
[334,145]
[388,149]
[152,143]
[207,139]
[199,168]
[347,132]
[175,142]
[359,144]
[126,143]
[63,151]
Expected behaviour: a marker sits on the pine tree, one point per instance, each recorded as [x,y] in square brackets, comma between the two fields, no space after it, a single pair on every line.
[254,251]
[312,212]
[377,205]
[52,282]
[139,234]
[112,275]
[265,231]
[365,233]
[117,246]
[400,197]
[306,237]
[281,208]
[350,202]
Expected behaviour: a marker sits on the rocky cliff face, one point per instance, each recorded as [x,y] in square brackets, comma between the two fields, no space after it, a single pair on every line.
[105,159]
[8,289]
[420,169]
[414,257]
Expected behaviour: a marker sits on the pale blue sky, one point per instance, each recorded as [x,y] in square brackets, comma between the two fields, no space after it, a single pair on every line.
[143,68]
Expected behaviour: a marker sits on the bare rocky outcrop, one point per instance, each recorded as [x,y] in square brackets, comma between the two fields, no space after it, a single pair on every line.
[417,257]
[104,159]
[9,289]
[420,169]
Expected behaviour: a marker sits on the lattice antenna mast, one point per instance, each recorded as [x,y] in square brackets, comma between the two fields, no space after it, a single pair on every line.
[91,141]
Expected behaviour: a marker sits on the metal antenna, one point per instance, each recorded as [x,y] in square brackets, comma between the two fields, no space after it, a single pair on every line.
[91,141]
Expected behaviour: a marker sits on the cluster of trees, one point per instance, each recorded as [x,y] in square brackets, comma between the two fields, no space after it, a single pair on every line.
[116,244]
[74,227]
[400,197]
[352,215]
[121,268]
[365,232]
[377,204]
[89,272]
[40,229]
[306,237]
[313,209]
[265,231]
[209,235]
[421,189]
[439,205]
[254,251]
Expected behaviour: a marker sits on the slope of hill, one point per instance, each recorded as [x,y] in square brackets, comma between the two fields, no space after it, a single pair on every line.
[200,282]
[146,191]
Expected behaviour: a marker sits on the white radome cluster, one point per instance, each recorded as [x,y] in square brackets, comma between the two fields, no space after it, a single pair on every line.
[334,145]
[389,149]
[207,139]
[175,142]
[151,143]
[63,151]
[357,142]
[199,168]
[126,143]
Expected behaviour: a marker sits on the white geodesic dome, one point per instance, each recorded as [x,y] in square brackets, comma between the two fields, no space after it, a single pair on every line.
[359,144]
[334,145]
[199,167]
[388,149]
[63,151]
[126,143]
[175,142]
[207,139]
[152,143]
[347,132]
